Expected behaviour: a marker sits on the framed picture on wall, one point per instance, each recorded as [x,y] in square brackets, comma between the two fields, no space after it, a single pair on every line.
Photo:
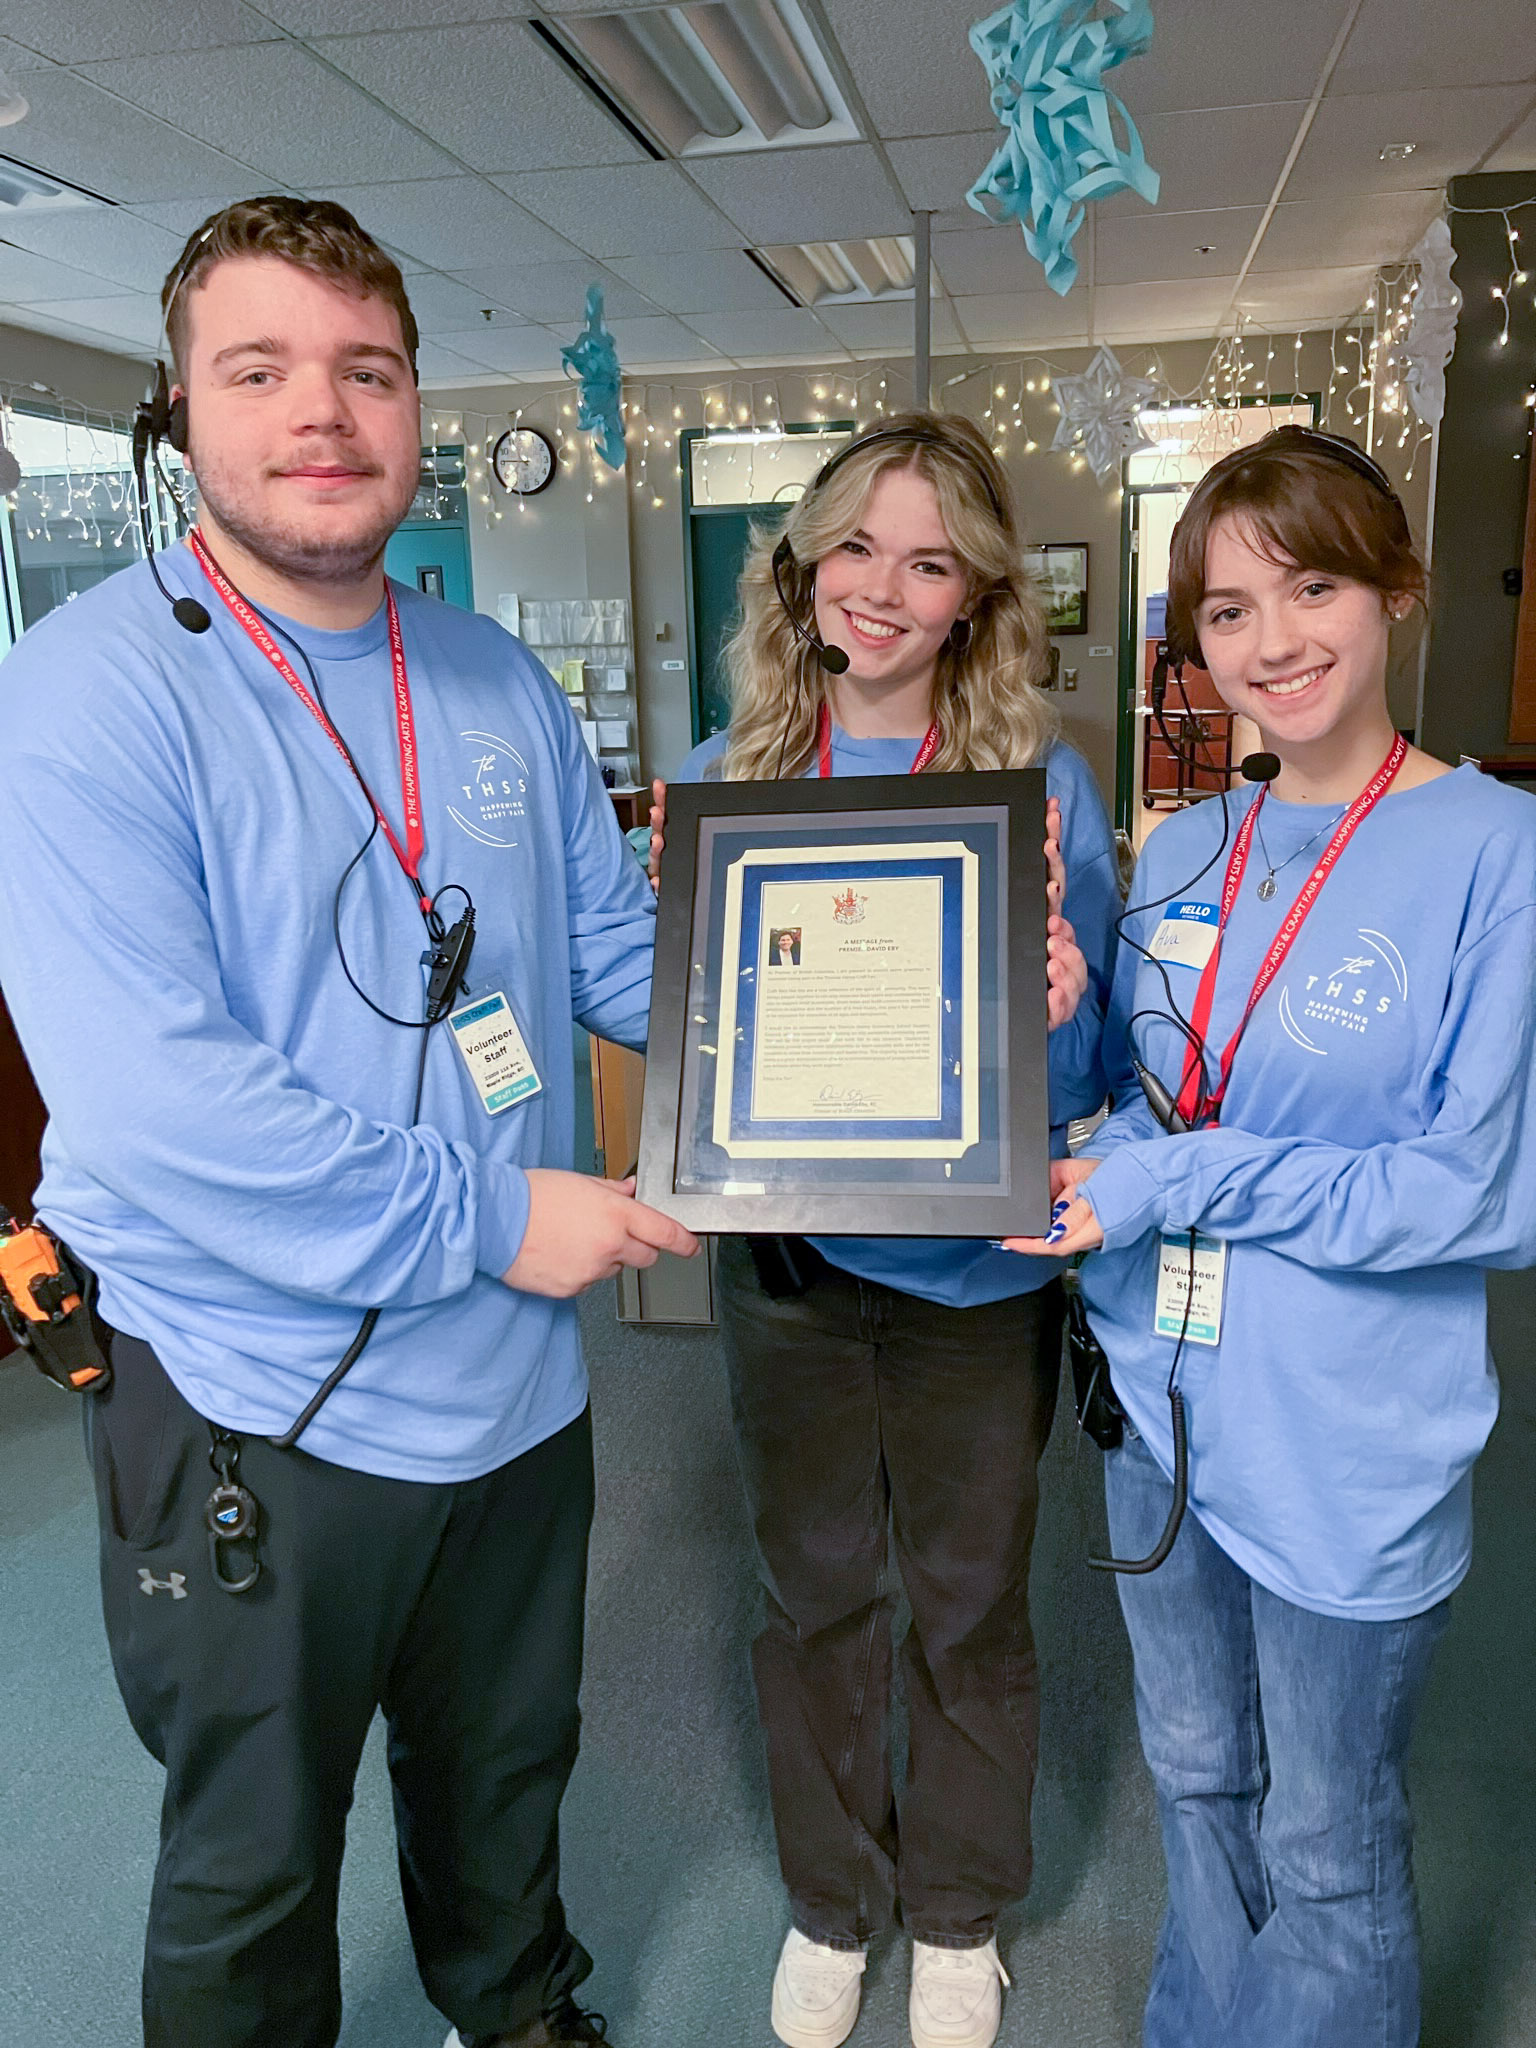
[1061,569]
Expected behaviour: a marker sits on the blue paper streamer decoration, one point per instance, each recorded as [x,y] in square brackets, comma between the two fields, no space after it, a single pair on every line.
[1046,60]
[593,358]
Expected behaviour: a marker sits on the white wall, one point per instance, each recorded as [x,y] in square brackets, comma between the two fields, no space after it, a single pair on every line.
[90,376]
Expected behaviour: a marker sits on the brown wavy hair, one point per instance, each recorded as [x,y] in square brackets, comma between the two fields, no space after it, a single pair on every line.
[1306,508]
[314,234]
[986,698]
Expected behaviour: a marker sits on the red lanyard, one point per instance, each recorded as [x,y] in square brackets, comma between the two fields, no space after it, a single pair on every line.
[932,740]
[409,856]
[1192,1087]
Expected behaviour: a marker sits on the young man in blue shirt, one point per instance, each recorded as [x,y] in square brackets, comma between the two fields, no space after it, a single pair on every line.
[233,835]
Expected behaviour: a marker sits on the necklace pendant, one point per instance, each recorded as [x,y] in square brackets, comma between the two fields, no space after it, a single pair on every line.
[1267,888]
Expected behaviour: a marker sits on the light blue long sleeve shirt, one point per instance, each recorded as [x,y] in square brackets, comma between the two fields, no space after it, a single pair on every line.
[1376,1150]
[229,1143]
[962,1272]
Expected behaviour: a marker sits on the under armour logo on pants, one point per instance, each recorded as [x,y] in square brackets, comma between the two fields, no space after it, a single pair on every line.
[175,1585]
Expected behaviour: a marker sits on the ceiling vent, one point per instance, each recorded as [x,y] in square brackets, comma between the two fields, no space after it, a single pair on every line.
[713,76]
[843,273]
[23,190]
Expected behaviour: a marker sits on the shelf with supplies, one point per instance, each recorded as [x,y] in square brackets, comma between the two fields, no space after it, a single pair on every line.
[587,645]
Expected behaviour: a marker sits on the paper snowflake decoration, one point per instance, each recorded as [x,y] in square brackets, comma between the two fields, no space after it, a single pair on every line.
[1067,140]
[593,359]
[1100,413]
[1431,338]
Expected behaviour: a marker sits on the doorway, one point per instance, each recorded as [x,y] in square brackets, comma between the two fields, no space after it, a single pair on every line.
[429,550]
[1153,779]
[734,486]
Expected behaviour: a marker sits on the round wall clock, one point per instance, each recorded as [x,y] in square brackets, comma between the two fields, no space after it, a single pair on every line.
[523,461]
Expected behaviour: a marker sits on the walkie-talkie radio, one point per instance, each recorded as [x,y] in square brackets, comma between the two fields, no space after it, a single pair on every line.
[46,1303]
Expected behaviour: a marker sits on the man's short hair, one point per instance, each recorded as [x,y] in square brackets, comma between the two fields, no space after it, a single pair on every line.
[315,234]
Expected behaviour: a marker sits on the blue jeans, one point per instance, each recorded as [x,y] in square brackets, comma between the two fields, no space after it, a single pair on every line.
[1276,1739]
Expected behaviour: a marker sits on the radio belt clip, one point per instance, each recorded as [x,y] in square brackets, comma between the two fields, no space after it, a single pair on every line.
[46,1303]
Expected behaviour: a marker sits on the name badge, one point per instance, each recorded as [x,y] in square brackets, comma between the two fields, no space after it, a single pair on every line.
[1186,935]
[1173,1288]
[498,1061]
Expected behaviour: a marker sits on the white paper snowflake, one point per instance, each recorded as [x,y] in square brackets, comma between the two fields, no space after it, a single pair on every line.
[1431,338]
[1100,413]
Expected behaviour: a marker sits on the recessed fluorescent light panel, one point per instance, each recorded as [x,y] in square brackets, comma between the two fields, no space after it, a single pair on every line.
[24,190]
[714,77]
[844,273]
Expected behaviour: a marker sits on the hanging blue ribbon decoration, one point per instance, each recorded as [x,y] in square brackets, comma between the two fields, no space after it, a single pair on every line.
[1046,60]
[593,358]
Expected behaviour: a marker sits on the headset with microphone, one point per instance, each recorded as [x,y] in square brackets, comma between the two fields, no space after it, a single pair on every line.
[159,417]
[832,658]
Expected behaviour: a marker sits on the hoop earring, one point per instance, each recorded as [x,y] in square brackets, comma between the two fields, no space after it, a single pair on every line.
[959,642]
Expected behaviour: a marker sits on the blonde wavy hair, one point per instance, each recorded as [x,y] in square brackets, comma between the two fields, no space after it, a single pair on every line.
[986,698]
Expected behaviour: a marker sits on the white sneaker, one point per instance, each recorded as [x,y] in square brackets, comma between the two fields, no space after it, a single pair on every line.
[957,1996]
[816,1992]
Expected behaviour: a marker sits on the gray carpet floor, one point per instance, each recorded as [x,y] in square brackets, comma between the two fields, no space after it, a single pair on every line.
[670,1872]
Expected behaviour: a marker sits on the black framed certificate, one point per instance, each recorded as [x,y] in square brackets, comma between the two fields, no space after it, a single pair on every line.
[848,1017]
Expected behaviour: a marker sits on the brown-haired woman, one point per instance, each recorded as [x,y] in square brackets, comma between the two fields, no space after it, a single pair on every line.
[1332,982]
[911,1381]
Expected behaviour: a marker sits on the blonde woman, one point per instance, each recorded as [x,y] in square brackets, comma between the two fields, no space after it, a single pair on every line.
[903,1382]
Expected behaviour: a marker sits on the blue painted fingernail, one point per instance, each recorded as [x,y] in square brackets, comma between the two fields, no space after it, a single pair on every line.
[1056,1233]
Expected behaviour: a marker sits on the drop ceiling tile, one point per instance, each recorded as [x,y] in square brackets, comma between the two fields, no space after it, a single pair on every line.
[27,278]
[40,320]
[1157,245]
[556,292]
[919,76]
[1519,152]
[1399,44]
[452,223]
[357,17]
[1305,298]
[1226,156]
[436,364]
[491,93]
[805,195]
[751,337]
[1022,319]
[1453,130]
[983,259]
[936,172]
[132,317]
[275,107]
[1161,311]
[442,305]
[78,31]
[912,64]
[713,281]
[642,342]
[16,57]
[618,211]
[518,351]
[1331,233]
[1237,54]
[107,241]
[889,326]
[86,135]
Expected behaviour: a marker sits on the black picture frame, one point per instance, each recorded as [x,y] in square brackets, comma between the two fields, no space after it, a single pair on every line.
[999,1183]
[1062,572]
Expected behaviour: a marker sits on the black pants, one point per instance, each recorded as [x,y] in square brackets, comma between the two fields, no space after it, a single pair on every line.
[457,1608]
[859,1407]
